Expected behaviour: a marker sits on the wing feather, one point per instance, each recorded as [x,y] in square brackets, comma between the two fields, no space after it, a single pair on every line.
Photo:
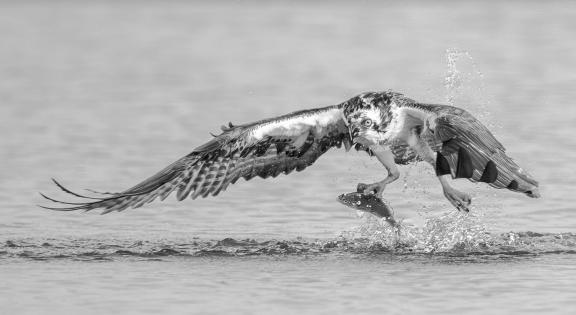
[265,149]
[467,149]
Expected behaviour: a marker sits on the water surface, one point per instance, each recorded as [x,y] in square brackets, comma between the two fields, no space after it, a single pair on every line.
[102,95]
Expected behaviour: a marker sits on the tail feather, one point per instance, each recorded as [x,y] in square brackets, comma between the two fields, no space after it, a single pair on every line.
[497,169]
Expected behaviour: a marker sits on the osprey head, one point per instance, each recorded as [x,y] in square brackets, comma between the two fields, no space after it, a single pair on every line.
[367,116]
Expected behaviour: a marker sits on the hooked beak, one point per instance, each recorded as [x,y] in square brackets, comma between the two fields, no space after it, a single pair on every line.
[354,134]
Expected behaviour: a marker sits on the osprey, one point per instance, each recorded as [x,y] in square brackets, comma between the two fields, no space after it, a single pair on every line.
[394,128]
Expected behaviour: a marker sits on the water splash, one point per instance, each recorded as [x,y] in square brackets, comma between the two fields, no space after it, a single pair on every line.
[455,230]
[464,84]
[462,74]
[447,232]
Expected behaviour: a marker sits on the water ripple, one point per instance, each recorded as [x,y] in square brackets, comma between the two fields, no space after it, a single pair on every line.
[453,235]
[506,245]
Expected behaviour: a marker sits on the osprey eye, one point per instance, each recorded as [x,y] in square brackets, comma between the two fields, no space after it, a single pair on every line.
[367,123]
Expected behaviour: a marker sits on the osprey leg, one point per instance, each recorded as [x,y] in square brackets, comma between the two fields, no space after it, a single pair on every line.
[458,199]
[386,157]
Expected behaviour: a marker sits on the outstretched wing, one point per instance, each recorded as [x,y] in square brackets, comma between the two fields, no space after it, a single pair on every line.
[265,148]
[467,149]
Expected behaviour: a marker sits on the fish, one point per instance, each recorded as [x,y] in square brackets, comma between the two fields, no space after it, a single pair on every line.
[368,203]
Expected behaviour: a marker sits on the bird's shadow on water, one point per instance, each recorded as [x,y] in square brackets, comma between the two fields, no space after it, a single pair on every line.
[450,238]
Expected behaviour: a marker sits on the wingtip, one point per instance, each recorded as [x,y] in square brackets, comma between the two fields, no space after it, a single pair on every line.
[46,197]
[61,202]
[56,209]
[68,191]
